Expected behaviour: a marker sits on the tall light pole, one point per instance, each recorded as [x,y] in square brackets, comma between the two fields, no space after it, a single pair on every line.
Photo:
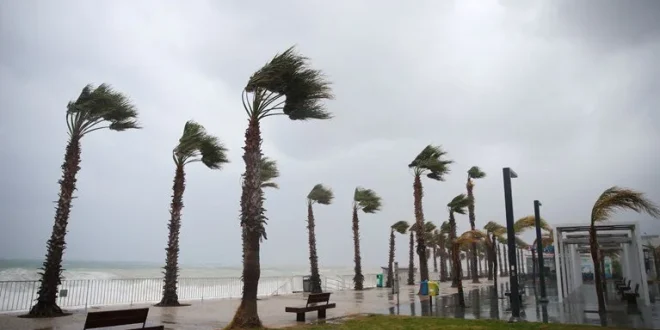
[539,249]
[511,243]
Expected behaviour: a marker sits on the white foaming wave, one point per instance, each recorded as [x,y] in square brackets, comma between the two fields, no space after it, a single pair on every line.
[23,274]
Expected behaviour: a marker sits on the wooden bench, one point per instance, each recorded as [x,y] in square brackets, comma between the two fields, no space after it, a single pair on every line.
[623,287]
[315,302]
[631,297]
[104,319]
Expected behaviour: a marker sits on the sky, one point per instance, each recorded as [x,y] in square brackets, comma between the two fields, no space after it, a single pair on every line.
[564,92]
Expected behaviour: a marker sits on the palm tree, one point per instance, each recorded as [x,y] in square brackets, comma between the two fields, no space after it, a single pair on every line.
[284,86]
[431,163]
[195,145]
[95,109]
[445,229]
[321,195]
[458,205]
[502,252]
[399,227]
[469,237]
[369,202]
[611,200]
[473,173]
[493,231]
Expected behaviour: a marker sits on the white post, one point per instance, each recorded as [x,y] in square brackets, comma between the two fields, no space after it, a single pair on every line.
[625,267]
[643,278]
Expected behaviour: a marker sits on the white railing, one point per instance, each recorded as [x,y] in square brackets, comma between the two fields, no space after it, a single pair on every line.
[18,296]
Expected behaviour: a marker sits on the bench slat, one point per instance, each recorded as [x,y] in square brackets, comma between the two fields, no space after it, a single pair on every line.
[309,308]
[118,317]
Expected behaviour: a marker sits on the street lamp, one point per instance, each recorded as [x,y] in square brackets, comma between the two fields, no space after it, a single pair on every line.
[511,244]
[539,249]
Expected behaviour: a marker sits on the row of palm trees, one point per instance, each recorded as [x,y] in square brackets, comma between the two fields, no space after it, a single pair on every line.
[285,86]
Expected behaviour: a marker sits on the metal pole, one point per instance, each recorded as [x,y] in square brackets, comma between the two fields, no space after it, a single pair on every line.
[539,248]
[511,243]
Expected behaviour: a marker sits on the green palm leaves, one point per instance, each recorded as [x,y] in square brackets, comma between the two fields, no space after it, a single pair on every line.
[320,194]
[367,200]
[100,108]
[616,198]
[430,162]
[196,145]
[400,227]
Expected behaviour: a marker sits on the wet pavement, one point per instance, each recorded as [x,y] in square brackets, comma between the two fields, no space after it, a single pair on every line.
[480,298]
[579,308]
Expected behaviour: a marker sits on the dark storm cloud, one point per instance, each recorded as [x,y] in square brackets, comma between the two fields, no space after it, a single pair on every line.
[563,92]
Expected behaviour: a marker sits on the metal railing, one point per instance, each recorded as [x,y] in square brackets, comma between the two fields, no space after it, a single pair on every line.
[16,296]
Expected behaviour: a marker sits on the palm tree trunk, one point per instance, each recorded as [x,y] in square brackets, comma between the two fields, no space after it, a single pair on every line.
[443,262]
[435,260]
[456,258]
[359,278]
[593,245]
[656,261]
[495,275]
[390,262]
[46,305]
[479,270]
[418,194]
[499,260]
[602,270]
[411,260]
[315,279]
[458,274]
[252,224]
[472,217]
[170,296]
[468,264]
[491,261]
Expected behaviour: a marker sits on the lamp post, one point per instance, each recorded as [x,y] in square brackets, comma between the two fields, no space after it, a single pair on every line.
[539,249]
[511,244]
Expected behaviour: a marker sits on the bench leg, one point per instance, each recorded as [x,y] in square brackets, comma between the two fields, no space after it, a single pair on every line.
[300,317]
[321,313]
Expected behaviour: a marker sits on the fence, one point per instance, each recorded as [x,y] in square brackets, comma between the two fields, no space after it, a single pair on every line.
[18,296]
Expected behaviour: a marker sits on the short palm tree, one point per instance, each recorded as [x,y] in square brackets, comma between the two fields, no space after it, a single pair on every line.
[458,205]
[195,145]
[285,86]
[95,109]
[611,200]
[399,227]
[445,228]
[427,228]
[369,202]
[467,238]
[321,195]
[429,162]
[473,173]
[493,232]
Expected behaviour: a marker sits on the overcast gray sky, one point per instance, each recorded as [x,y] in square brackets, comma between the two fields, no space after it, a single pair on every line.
[565,92]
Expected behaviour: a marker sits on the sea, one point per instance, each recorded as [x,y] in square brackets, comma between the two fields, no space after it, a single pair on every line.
[95,283]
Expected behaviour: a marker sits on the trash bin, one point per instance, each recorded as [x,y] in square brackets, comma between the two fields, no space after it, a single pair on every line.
[424,288]
[379,280]
[434,288]
[307,284]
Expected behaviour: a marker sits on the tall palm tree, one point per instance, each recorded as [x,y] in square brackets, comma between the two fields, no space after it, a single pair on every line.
[399,227]
[94,109]
[429,162]
[369,202]
[445,228]
[469,237]
[195,145]
[321,195]
[457,205]
[473,173]
[284,86]
[611,200]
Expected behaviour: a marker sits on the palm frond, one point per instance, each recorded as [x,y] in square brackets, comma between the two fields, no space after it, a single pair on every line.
[459,204]
[528,222]
[400,227]
[367,200]
[98,106]
[196,145]
[616,198]
[431,162]
[288,74]
[495,228]
[476,173]
[470,236]
[429,227]
[321,194]
[269,172]
[445,227]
